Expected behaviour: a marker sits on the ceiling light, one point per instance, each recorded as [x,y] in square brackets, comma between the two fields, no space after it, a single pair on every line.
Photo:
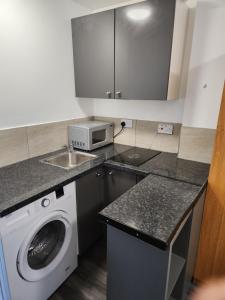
[138,14]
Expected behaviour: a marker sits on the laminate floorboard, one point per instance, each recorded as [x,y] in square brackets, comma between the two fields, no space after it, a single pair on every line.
[88,281]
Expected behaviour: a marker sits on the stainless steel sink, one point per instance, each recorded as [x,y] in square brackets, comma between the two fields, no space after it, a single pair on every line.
[68,160]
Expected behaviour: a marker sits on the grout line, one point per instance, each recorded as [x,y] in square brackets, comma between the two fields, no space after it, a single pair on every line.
[135,132]
[28,145]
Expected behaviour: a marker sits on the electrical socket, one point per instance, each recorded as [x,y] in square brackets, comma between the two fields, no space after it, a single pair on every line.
[129,123]
[165,128]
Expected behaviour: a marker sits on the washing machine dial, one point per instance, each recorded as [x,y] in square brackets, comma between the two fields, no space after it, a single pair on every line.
[45,202]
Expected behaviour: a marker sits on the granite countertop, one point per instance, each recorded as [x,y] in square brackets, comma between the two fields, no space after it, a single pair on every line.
[26,181]
[153,209]
[170,166]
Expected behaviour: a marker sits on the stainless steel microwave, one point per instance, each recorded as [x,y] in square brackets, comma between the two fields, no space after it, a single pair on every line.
[90,135]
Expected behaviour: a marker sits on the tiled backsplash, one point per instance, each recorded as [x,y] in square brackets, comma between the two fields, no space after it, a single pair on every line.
[190,143]
[22,143]
[197,144]
[144,134]
[13,145]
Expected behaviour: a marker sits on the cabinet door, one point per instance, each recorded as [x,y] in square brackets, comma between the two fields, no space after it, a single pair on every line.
[116,183]
[89,189]
[143,45]
[93,46]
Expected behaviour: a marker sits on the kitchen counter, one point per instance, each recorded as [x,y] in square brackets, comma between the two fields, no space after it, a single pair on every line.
[169,165]
[153,209]
[26,181]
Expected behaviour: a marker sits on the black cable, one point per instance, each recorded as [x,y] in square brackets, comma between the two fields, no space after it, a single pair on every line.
[123,124]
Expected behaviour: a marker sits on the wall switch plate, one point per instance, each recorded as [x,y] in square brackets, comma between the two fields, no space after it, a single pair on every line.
[165,129]
[129,123]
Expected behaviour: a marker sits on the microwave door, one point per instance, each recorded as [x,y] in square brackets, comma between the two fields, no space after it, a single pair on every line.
[98,137]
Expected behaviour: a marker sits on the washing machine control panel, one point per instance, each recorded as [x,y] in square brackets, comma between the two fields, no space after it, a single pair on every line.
[45,202]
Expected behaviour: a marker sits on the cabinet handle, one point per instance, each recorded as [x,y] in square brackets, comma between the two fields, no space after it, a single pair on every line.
[108,94]
[99,174]
[119,94]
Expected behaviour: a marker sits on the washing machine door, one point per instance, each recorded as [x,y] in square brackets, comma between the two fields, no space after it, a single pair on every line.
[45,247]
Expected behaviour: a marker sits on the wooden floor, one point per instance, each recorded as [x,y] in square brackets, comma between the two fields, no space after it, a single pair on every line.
[88,282]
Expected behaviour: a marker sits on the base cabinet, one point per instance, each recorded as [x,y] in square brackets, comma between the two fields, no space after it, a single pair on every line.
[118,182]
[95,191]
[89,203]
[139,270]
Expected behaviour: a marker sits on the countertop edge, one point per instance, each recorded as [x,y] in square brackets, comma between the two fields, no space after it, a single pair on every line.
[45,192]
[138,234]
[145,237]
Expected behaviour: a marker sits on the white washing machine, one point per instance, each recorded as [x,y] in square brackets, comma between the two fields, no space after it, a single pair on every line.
[40,245]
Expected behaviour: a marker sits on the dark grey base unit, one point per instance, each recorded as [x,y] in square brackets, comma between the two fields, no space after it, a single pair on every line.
[139,270]
[95,191]
[90,200]
[118,182]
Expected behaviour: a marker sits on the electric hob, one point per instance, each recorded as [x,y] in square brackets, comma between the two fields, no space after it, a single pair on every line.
[135,156]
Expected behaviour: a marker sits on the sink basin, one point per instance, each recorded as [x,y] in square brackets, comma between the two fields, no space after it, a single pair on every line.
[68,160]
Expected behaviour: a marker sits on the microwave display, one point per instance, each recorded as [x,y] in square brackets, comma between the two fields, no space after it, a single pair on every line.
[98,136]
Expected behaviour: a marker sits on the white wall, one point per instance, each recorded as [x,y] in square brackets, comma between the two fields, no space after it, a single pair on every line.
[167,111]
[207,67]
[36,63]
[36,69]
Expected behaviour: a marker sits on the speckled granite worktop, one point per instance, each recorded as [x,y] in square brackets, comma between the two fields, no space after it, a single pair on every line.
[153,209]
[169,165]
[26,181]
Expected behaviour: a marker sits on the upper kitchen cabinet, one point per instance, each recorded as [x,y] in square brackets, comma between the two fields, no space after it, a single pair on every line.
[143,43]
[93,46]
[132,52]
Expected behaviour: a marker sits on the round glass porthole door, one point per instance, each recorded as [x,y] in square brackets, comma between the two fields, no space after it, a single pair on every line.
[46,245]
[44,249]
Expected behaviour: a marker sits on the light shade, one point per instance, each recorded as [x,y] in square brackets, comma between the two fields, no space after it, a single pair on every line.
[138,14]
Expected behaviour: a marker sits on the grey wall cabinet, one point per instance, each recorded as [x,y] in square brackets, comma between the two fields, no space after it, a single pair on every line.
[93,45]
[132,52]
[143,50]
[89,191]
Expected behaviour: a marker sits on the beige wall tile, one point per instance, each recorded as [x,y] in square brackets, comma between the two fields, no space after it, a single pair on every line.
[48,137]
[167,143]
[128,135]
[13,145]
[147,137]
[145,134]
[197,144]
[21,143]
